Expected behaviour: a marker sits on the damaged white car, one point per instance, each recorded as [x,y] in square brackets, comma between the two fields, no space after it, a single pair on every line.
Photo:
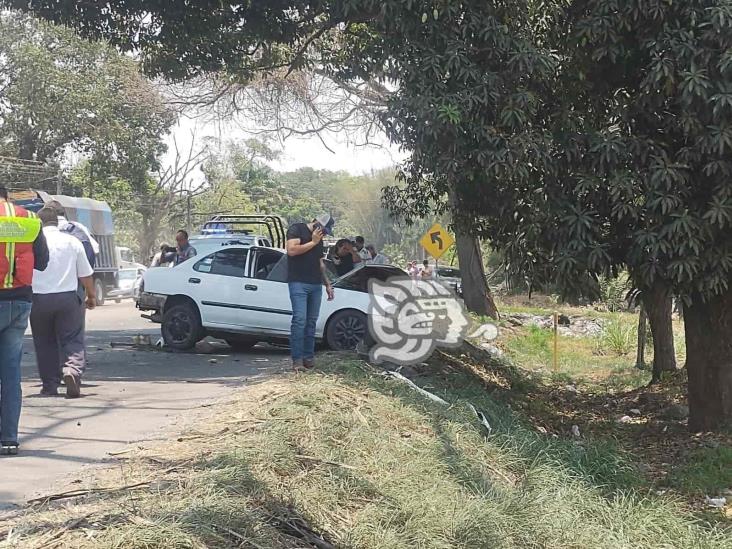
[239,293]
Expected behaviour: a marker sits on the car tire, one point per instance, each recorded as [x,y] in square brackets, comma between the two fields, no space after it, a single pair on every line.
[345,330]
[241,343]
[99,292]
[181,327]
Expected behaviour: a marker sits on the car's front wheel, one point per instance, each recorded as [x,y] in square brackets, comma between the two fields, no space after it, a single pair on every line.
[181,326]
[345,330]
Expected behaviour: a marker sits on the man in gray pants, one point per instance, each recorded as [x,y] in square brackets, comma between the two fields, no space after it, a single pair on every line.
[57,316]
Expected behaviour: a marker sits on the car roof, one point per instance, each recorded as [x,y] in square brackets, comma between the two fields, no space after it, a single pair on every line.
[227,236]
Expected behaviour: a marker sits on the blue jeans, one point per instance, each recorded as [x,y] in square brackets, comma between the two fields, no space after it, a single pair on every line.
[13,322]
[305,299]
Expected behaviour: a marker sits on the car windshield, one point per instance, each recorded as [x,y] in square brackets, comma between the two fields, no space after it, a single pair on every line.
[128,274]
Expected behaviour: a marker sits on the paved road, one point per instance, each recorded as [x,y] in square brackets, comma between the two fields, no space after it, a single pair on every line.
[128,395]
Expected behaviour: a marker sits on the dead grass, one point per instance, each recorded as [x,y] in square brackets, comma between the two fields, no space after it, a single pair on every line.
[343,457]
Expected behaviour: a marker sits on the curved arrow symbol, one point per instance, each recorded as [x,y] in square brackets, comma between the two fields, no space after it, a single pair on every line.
[435,237]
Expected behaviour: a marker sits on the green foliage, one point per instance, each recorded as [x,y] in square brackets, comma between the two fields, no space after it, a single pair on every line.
[618,337]
[707,471]
[614,291]
[60,94]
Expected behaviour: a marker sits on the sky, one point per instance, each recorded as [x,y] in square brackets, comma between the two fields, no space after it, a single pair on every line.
[296,152]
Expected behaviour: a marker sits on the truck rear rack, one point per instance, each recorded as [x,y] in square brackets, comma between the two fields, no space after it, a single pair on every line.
[243,224]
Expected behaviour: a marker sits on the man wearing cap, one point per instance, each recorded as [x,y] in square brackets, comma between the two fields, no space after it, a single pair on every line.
[22,248]
[306,276]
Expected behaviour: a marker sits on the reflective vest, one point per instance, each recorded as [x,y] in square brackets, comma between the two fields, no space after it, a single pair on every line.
[18,229]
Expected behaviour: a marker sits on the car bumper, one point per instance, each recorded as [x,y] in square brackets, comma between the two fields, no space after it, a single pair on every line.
[151,302]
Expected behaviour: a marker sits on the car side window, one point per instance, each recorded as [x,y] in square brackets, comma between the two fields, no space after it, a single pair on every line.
[265,263]
[225,262]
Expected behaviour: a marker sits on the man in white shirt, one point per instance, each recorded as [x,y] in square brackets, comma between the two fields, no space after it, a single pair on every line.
[376,257]
[57,316]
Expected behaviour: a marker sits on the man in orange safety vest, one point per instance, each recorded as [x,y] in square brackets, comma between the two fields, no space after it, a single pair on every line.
[22,249]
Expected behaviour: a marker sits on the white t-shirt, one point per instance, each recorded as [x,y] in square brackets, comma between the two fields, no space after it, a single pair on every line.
[364,254]
[67,263]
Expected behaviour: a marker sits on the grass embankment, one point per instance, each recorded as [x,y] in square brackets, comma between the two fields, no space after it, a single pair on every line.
[603,361]
[365,462]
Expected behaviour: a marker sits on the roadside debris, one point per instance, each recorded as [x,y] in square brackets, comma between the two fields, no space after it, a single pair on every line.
[482,418]
[718,503]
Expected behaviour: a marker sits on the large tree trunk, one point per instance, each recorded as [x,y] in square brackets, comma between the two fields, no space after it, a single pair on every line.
[640,357]
[658,304]
[708,326]
[476,292]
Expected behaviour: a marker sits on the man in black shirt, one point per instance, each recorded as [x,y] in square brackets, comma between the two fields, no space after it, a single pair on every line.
[305,279]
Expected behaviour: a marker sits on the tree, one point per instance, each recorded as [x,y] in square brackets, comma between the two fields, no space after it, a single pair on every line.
[664,71]
[183,41]
[62,96]
[595,136]
[146,205]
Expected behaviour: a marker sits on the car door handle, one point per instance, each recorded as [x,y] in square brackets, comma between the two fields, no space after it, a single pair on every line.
[194,280]
[250,287]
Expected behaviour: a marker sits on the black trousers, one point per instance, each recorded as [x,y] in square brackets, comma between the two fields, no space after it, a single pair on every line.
[57,321]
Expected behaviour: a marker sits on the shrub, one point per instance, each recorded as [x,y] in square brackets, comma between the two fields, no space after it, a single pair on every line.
[617,338]
[613,292]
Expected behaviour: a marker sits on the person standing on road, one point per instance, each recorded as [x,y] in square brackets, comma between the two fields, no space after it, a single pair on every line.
[57,317]
[376,257]
[183,251]
[426,272]
[306,275]
[158,259]
[360,246]
[91,248]
[412,270]
[22,248]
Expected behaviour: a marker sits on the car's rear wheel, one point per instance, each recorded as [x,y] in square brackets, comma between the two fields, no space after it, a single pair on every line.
[241,343]
[181,326]
[345,330]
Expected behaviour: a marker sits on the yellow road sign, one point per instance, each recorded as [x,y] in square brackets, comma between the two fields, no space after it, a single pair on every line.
[436,241]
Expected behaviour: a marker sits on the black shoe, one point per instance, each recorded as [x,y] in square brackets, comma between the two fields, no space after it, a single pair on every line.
[8,448]
[73,386]
[49,392]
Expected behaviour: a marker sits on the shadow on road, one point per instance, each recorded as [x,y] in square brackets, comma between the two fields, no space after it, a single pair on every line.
[125,362]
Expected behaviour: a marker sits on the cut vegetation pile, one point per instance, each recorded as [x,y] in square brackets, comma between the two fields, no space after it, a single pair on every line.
[345,458]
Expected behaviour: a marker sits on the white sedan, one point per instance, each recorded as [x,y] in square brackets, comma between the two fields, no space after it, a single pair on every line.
[239,294]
